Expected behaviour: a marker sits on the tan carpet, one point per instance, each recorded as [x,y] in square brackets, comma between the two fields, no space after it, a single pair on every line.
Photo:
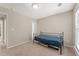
[30,49]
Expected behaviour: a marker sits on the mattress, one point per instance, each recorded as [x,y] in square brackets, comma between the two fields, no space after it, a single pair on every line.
[50,40]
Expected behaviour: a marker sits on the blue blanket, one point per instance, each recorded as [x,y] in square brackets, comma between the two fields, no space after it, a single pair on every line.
[50,40]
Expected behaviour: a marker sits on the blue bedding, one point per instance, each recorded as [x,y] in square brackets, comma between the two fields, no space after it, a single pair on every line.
[50,40]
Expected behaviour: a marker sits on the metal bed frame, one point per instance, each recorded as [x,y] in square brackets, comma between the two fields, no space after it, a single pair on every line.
[58,34]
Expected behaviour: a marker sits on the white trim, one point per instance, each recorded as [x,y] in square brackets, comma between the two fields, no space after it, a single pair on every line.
[76,51]
[16,45]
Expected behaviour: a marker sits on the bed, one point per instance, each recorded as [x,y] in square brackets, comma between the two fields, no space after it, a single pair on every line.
[51,39]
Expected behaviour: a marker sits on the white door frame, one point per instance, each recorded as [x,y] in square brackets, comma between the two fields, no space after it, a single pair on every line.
[76,25]
[75,29]
[1,30]
[5,41]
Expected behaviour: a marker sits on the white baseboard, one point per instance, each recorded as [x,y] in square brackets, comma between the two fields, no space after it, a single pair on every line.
[16,45]
[68,45]
[76,51]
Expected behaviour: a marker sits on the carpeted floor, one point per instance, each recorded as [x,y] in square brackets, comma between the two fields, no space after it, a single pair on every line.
[30,49]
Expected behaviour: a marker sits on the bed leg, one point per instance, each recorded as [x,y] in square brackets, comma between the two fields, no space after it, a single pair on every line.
[61,46]
[61,50]
[33,41]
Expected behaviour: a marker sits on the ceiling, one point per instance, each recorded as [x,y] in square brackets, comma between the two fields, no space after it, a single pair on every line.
[44,10]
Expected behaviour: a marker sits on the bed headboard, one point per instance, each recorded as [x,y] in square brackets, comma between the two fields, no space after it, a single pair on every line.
[48,33]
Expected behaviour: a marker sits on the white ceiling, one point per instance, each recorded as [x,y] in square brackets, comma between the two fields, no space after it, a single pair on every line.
[44,10]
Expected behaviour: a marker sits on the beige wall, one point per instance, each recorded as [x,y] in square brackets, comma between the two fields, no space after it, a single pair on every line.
[58,23]
[19,27]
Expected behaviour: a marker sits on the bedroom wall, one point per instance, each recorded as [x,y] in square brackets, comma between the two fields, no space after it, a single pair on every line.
[58,23]
[19,27]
